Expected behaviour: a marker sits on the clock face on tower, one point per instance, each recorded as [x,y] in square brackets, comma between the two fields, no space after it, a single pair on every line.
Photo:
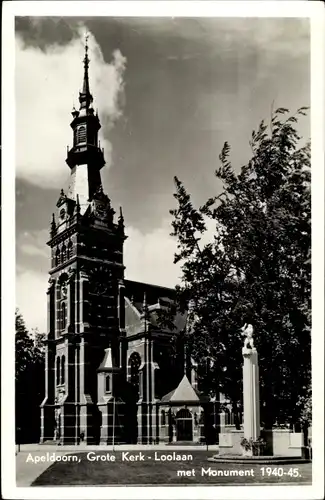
[100,280]
[100,210]
[62,218]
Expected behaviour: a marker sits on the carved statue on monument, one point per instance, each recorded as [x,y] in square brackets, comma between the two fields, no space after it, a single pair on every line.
[247,331]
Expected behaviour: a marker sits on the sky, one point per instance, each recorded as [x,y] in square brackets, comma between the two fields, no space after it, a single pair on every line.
[169,92]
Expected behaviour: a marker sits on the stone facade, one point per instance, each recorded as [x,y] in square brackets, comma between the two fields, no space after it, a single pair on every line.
[109,366]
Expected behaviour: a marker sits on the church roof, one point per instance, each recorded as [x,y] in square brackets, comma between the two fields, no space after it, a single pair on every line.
[157,298]
[135,290]
[183,392]
[132,318]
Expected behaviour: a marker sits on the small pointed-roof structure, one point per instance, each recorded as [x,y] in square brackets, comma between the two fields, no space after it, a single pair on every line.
[107,364]
[184,392]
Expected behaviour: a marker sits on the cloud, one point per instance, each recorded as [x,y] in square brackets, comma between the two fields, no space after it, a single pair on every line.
[31,249]
[149,257]
[31,298]
[47,84]
[33,243]
[289,35]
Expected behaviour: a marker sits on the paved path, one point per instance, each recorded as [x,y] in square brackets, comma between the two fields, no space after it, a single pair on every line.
[27,470]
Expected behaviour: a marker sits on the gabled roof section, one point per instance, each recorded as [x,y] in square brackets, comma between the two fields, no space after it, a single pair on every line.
[157,299]
[166,398]
[135,290]
[183,392]
[133,322]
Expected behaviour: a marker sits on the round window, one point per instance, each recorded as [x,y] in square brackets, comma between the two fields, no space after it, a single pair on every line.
[62,213]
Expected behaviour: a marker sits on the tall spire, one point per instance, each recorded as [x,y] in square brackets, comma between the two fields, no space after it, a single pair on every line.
[85,97]
[85,158]
[85,88]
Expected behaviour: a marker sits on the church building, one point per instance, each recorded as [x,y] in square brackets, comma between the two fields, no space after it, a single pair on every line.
[111,374]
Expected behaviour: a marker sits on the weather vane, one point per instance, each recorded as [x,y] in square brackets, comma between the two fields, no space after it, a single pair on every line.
[86,40]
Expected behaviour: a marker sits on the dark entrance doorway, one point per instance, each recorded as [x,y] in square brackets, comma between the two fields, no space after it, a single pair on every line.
[184,425]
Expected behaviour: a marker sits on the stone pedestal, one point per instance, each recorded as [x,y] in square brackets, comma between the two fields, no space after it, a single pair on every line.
[279,443]
[283,442]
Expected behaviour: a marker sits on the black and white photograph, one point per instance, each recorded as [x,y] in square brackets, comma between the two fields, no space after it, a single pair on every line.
[161,327]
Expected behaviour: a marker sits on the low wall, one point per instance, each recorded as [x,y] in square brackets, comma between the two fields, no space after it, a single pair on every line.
[282,442]
[229,442]
[279,442]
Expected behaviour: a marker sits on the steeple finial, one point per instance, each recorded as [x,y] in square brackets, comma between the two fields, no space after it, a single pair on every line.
[121,220]
[86,66]
[85,97]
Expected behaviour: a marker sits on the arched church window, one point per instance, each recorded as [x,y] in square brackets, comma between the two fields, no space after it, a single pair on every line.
[62,369]
[82,134]
[107,384]
[57,370]
[63,315]
[134,362]
[63,253]
[69,254]
[57,257]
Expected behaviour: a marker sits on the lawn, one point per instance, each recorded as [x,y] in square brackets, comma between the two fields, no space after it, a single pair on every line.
[150,471]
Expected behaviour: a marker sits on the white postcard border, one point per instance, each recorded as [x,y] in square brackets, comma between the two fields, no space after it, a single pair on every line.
[312,10]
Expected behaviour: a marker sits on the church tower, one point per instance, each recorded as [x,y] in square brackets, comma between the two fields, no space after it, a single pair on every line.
[86,278]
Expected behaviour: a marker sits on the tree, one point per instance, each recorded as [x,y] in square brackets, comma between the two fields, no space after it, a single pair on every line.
[29,381]
[23,347]
[255,270]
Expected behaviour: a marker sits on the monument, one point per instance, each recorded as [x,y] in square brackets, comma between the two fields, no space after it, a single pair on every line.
[251,391]
[251,386]
[275,445]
